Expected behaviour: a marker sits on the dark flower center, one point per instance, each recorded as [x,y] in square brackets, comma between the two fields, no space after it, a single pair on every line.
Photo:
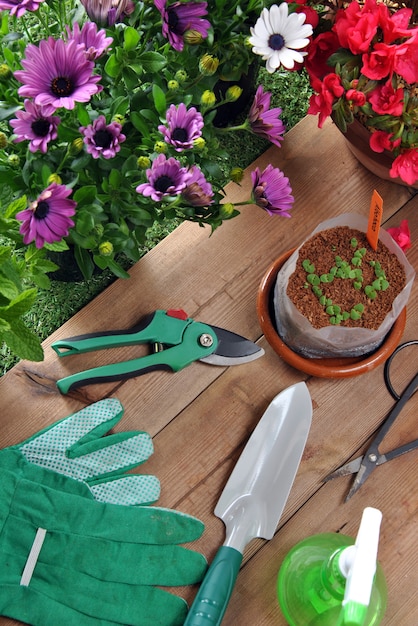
[163,183]
[180,134]
[276,42]
[62,86]
[40,127]
[42,210]
[173,19]
[103,138]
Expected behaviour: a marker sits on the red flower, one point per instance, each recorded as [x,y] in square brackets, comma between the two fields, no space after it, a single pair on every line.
[321,103]
[357,98]
[319,51]
[401,235]
[386,100]
[380,140]
[380,62]
[406,60]
[394,25]
[356,27]
[406,166]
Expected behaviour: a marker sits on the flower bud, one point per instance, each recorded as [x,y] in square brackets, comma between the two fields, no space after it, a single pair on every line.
[199,144]
[208,98]
[13,160]
[226,209]
[181,76]
[208,64]
[76,146]
[237,174]
[233,93]
[5,71]
[54,178]
[143,162]
[106,248]
[173,85]
[120,119]
[160,147]
[99,229]
[3,140]
[192,37]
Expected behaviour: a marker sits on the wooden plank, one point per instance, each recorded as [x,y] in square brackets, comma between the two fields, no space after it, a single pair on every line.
[201,418]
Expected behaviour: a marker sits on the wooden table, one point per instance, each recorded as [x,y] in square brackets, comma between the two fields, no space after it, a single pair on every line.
[201,417]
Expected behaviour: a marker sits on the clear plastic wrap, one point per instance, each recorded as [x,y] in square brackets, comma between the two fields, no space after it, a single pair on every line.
[335,341]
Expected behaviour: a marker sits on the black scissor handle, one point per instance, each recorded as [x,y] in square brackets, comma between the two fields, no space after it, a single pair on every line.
[388,381]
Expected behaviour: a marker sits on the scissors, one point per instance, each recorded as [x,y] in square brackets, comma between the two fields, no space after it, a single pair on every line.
[372,458]
[176,339]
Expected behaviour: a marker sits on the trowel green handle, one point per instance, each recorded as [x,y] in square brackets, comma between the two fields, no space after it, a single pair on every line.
[210,603]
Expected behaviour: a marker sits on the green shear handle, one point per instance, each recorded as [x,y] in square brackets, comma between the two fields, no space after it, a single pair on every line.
[183,341]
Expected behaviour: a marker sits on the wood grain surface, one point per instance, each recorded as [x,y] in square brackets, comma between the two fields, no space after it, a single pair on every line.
[200,418]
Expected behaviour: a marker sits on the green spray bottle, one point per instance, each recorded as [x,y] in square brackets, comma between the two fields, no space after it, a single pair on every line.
[330,580]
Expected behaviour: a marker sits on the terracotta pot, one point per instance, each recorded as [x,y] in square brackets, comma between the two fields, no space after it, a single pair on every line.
[323,368]
[379,163]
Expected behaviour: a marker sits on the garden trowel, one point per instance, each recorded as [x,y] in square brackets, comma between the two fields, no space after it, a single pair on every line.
[255,495]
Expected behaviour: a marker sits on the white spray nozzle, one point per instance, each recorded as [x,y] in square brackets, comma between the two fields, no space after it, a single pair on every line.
[358,564]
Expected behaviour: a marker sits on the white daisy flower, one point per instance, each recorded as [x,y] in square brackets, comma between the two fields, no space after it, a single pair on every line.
[278,37]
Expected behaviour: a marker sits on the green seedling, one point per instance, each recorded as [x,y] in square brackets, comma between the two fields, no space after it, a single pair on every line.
[308,266]
[313,279]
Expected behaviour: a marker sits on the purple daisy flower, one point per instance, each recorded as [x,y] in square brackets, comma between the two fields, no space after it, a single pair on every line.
[272,191]
[95,42]
[57,73]
[166,177]
[37,125]
[198,192]
[19,7]
[103,139]
[48,218]
[265,122]
[108,12]
[183,126]
[180,17]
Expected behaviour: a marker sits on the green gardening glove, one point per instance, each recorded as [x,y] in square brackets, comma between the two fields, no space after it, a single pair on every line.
[76,447]
[68,559]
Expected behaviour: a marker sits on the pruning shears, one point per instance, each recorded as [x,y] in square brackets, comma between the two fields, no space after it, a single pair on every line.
[177,341]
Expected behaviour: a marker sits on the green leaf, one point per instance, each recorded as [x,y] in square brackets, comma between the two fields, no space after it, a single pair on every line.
[86,194]
[159,100]
[85,223]
[57,246]
[130,38]
[20,204]
[115,178]
[112,67]
[84,261]
[153,61]
[140,123]
[116,268]
[19,305]
[23,342]
[82,115]
[8,289]
[120,106]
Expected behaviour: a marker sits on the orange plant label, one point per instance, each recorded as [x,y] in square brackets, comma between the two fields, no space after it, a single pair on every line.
[375,219]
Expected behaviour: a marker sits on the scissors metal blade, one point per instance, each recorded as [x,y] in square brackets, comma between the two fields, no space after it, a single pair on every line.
[349,468]
[362,465]
[364,472]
